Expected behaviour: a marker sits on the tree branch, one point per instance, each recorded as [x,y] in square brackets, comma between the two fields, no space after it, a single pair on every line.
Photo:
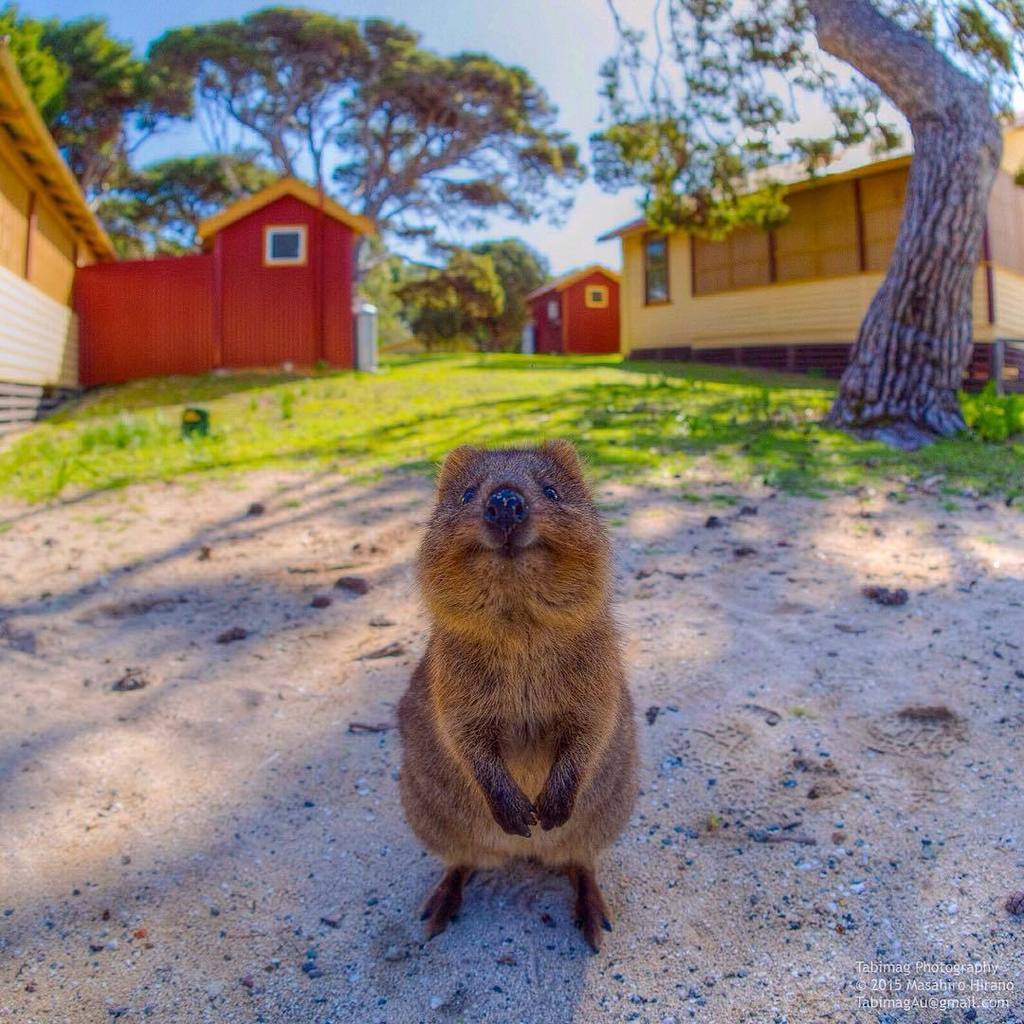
[922,83]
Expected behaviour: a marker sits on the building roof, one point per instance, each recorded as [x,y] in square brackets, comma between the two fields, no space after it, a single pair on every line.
[567,280]
[629,228]
[24,127]
[285,187]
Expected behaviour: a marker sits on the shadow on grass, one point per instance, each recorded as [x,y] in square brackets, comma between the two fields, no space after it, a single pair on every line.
[710,372]
[630,419]
[625,431]
[155,392]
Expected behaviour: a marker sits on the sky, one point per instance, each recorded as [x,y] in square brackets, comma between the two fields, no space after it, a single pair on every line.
[561,42]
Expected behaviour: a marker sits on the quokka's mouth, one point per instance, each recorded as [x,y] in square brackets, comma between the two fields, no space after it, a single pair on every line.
[508,543]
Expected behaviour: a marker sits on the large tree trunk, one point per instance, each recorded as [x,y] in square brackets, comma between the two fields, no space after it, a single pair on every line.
[915,340]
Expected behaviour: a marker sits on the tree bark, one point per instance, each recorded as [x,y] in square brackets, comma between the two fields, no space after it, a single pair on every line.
[915,340]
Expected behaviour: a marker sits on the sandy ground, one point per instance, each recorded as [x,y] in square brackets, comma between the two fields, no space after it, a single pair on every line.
[825,780]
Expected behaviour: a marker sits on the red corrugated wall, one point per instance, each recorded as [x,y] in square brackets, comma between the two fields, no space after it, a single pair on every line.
[194,313]
[547,336]
[338,264]
[143,318]
[276,314]
[591,330]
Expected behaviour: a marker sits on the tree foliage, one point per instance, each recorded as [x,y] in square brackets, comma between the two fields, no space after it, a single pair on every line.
[520,270]
[285,75]
[111,102]
[408,137]
[157,210]
[43,74]
[451,305]
[716,93]
[385,273]
[99,100]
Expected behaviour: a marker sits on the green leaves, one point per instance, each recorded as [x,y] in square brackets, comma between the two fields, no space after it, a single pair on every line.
[993,417]
[280,74]
[715,93]
[92,91]
[43,74]
[417,141]
[412,139]
[109,93]
[520,270]
[476,298]
[157,209]
[450,304]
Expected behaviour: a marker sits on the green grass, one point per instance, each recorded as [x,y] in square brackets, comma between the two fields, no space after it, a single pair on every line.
[634,421]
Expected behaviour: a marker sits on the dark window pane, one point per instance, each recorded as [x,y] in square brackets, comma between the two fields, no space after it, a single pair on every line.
[284,245]
[656,269]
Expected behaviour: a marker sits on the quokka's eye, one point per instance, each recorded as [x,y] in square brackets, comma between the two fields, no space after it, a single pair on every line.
[551,494]
[468,495]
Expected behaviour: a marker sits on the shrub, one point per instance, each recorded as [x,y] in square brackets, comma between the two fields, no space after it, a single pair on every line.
[993,417]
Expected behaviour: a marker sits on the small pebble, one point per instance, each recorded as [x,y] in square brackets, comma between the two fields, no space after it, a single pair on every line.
[230,636]
[392,650]
[353,584]
[131,679]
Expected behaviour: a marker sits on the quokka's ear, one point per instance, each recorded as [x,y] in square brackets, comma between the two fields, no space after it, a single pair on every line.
[564,453]
[456,463]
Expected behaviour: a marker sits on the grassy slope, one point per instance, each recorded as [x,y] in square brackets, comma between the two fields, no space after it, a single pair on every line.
[640,420]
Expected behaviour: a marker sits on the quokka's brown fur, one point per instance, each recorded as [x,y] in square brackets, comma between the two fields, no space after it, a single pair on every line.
[519,713]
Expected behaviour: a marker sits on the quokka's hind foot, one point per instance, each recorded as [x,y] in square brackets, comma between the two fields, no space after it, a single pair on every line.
[444,901]
[591,913]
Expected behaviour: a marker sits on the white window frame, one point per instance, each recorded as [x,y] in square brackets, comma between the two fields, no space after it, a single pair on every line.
[284,261]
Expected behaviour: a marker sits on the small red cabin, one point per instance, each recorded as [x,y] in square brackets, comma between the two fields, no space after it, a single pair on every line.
[578,312]
[273,285]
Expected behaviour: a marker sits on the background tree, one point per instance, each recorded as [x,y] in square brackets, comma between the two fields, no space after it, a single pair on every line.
[385,274]
[285,76]
[158,209]
[112,101]
[452,305]
[44,75]
[520,270]
[407,137]
[719,94]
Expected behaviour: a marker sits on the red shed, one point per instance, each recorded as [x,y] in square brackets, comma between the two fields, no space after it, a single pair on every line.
[273,286]
[578,312]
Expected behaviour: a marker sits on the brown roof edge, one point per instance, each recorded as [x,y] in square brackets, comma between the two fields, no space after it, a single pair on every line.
[629,228]
[285,187]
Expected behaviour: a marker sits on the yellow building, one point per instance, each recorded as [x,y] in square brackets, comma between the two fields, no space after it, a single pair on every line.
[793,298]
[47,231]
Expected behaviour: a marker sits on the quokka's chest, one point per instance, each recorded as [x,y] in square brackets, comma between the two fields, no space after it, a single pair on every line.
[529,762]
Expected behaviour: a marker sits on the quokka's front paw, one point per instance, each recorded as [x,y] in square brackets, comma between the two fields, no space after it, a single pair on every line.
[553,808]
[514,813]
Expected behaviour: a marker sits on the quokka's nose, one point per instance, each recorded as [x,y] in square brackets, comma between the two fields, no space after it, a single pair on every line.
[506,508]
